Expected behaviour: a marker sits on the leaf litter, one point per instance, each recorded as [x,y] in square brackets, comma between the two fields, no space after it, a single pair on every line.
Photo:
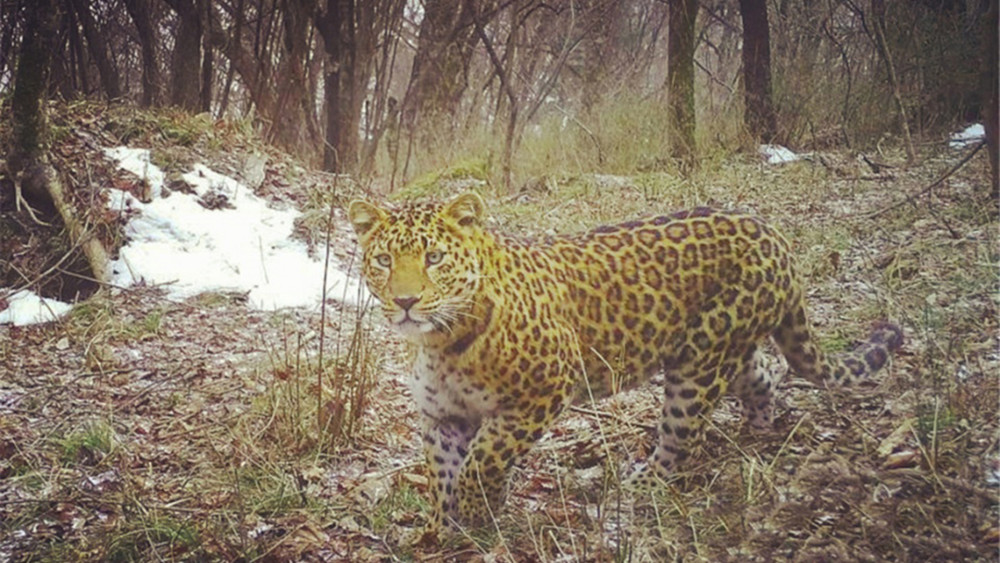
[143,424]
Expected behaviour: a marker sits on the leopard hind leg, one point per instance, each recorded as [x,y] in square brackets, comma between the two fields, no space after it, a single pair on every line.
[754,387]
[692,389]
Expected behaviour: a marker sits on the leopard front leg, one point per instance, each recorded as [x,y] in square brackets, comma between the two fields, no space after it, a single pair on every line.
[446,445]
[499,444]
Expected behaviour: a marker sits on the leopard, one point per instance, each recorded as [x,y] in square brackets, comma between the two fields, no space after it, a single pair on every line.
[506,332]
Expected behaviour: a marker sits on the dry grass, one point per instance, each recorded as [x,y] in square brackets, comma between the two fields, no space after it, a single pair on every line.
[139,429]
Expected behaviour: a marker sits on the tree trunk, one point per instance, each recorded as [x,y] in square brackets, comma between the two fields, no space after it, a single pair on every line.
[682,15]
[990,104]
[27,162]
[758,111]
[139,11]
[512,101]
[342,103]
[440,71]
[205,97]
[185,66]
[98,50]
[293,123]
[28,103]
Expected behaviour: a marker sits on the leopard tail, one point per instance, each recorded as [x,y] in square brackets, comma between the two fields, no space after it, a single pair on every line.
[794,336]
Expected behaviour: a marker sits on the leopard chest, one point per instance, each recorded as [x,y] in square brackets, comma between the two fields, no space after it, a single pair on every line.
[445,387]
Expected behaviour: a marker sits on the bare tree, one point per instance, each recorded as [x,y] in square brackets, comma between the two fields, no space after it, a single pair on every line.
[98,48]
[140,11]
[336,26]
[878,11]
[185,67]
[991,115]
[758,111]
[28,163]
[681,17]
[440,72]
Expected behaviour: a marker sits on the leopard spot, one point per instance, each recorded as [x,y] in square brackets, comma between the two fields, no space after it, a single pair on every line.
[702,340]
[706,379]
[690,258]
[713,392]
[702,230]
[649,237]
[652,278]
[613,242]
[876,358]
[724,226]
[750,227]
[678,232]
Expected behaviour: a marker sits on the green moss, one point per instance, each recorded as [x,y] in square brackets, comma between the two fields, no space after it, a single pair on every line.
[472,170]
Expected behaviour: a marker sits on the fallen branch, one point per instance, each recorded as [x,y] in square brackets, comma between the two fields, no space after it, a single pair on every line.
[912,198]
[42,176]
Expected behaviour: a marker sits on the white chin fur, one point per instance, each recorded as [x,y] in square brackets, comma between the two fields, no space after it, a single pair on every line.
[409,327]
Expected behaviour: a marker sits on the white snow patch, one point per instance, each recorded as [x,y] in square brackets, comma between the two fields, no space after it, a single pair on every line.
[240,245]
[968,136]
[137,162]
[777,154]
[27,308]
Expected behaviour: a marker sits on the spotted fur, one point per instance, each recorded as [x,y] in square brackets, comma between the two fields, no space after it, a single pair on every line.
[507,332]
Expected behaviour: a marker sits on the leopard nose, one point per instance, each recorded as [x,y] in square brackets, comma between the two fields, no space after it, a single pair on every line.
[405,302]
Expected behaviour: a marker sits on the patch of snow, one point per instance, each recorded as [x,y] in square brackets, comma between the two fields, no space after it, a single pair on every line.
[27,308]
[220,238]
[137,162]
[777,154]
[993,470]
[968,136]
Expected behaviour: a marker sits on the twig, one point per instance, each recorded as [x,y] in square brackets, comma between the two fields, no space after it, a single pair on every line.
[603,414]
[19,199]
[911,198]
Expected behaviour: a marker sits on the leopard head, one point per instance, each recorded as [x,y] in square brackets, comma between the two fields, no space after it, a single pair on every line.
[421,261]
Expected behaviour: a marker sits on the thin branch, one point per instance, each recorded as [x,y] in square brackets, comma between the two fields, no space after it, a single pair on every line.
[912,198]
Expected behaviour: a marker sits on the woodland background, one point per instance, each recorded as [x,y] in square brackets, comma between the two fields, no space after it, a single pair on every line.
[393,88]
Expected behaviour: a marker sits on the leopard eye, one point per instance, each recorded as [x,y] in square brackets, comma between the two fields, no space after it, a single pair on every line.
[384,260]
[433,257]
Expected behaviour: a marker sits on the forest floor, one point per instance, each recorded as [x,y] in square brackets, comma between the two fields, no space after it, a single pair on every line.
[139,428]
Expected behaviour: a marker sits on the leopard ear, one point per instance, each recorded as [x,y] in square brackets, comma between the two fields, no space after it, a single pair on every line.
[364,216]
[466,209]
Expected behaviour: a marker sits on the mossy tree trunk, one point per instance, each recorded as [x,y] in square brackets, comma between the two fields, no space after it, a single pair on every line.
[681,15]
[28,162]
[28,104]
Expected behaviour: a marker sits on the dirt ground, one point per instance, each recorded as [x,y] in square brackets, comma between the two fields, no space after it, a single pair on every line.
[142,429]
